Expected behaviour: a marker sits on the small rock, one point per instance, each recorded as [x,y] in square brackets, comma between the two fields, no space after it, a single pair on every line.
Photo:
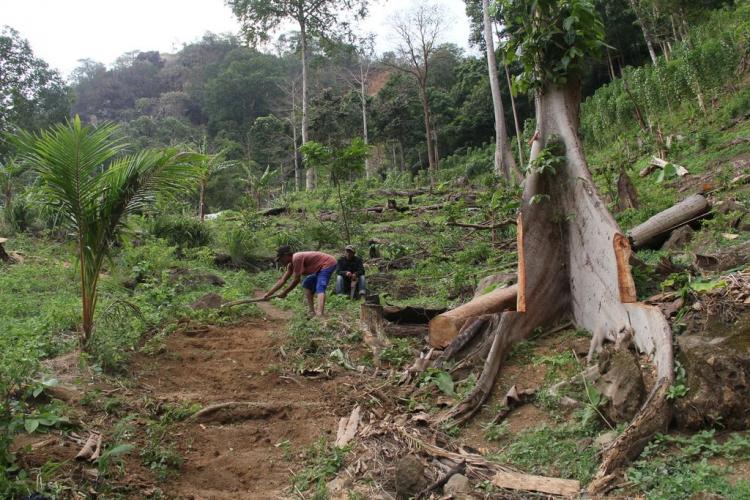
[410,478]
[458,486]
[602,440]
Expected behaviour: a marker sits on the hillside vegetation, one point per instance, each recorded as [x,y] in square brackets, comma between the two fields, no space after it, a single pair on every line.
[163,354]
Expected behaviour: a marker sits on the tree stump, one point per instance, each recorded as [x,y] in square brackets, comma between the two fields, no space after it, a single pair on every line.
[4,257]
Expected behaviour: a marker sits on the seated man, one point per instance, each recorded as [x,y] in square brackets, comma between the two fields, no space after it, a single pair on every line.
[351,274]
[317,268]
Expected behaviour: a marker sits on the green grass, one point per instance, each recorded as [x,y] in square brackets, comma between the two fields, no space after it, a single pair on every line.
[552,451]
[678,466]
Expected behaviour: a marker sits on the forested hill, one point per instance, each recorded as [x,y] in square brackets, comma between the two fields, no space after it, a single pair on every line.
[220,94]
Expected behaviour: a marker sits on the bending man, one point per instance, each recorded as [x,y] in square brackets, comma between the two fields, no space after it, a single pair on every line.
[317,267]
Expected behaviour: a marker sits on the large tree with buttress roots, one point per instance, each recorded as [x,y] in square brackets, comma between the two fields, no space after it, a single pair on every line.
[573,257]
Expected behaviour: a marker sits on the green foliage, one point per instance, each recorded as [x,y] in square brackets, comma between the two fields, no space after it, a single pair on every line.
[550,159]
[697,71]
[678,388]
[68,160]
[663,472]
[180,231]
[19,215]
[496,432]
[441,379]
[398,353]
[242,244]
[323,462]
[552,451]
[339,163]
[552,39]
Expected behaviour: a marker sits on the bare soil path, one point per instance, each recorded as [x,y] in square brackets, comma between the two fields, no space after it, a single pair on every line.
[246,451]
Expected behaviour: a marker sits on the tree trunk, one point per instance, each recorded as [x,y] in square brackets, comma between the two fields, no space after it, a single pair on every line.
[310,173]
[645,30]
[576,266]
[294,143]
[202,202]
[515,118]
[363,95]
[505,164]
[428,132]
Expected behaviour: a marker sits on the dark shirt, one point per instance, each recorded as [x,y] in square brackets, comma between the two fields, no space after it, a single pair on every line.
[353,266]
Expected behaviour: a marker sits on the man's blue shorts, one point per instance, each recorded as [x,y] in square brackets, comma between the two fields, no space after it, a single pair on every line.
[318,282]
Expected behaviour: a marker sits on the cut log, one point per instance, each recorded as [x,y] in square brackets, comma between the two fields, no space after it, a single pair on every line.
[658,226]
[567,488]
[446,327]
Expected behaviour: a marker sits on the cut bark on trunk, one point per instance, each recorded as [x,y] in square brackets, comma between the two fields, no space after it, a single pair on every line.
[655,229]
[576,266]
[567,488]
[446,327]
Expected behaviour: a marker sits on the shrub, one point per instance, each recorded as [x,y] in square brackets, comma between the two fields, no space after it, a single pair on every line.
[182,232]
[242,245]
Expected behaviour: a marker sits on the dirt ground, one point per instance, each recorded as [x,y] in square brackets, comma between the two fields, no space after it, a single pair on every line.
[246,452]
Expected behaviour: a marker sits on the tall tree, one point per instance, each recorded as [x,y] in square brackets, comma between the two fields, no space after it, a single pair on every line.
[317,18]
[573,257]
[505,164]
[32,96]
[418,31]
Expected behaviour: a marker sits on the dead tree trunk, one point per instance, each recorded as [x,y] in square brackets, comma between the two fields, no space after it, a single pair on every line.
[576,266]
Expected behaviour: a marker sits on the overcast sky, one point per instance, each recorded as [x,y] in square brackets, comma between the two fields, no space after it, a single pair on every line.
[62,32]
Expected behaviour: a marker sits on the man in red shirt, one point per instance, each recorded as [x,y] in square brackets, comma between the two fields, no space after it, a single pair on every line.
[317,267]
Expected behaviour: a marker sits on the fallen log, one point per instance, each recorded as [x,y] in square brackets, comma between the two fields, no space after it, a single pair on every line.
[567,488]
[445,327]
[659,225]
